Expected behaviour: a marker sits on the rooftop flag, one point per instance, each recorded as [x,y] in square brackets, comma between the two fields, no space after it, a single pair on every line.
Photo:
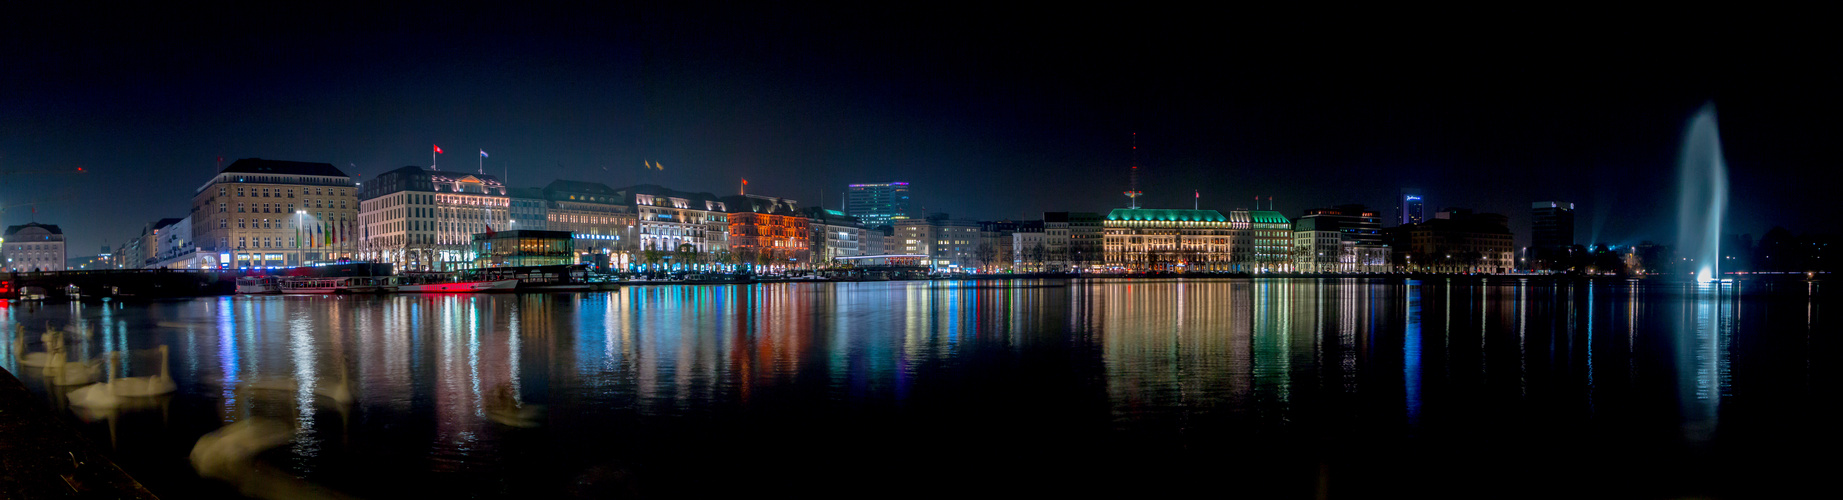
[438,149]
[483,153]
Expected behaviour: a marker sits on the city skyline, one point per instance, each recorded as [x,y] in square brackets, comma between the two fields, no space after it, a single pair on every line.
[989,125]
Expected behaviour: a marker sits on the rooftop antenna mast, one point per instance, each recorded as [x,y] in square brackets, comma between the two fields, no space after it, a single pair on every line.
[1133,191]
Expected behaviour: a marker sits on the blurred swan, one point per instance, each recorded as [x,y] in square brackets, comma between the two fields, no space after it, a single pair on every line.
[507,410]
[66,372]
[54,347]
[229,454]
[336,390]
[149,385]
[108,394]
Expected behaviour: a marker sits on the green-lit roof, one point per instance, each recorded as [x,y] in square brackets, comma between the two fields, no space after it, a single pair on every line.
[1165,215]
[1268,216]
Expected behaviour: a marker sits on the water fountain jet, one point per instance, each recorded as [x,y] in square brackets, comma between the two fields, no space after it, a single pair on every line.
[1702,190]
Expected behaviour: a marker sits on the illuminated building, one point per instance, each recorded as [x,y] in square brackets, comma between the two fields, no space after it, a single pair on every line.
[528,208]
[100,261]
[672,223]
[103,260]
[33,247]
[1457,241]
[1087,237]
[877,204]
[834,235]
[602,226]
[1552,234]
[1553,224]
[1073,240]
[270,213]
[424,220]
[994,252]
[878,240]
[1028,248]
[523,247]
[1344,239]
[1261,241]
[174,247]
[1166,240]
[766,231]
[1318,246]
[1413,209]
[948,243]
[143,250]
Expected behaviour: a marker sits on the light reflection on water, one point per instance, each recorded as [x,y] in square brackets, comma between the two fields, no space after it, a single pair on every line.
[652,380]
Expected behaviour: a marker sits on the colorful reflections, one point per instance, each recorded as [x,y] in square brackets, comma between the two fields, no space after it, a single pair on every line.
[458,388]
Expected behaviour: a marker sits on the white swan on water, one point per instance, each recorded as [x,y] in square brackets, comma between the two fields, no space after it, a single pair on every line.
[54,347]
[108,394]
[66,372]
[337,391]
[229,454]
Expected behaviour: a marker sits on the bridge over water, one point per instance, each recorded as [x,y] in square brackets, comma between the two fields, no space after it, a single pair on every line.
[120,283]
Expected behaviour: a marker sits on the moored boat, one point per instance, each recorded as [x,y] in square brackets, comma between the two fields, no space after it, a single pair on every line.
[350,284]
[558,278]
[433,286]
[258,285]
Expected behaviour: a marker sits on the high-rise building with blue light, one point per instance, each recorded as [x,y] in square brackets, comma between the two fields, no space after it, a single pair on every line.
[1413,209]
[876,204]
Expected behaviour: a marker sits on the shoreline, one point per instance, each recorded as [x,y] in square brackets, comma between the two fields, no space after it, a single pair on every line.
[38,447]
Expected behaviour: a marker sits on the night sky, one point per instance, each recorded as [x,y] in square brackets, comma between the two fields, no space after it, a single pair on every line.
[992,115]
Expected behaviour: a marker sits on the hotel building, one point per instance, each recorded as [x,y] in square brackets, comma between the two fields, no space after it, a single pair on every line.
[419,219]
[767,231]
[601,226]
[1166,240]
[271,213]
[668,220]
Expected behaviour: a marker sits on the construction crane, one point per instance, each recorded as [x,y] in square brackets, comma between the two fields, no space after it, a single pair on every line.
[59,197]
[34,203]
[76,171]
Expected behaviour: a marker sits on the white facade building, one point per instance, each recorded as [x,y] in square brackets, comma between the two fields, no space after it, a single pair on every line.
[33,247]
[667,219]
[424,220]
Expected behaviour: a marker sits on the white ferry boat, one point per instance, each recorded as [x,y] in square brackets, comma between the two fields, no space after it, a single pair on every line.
[350,284]
[452,284]
[258,285]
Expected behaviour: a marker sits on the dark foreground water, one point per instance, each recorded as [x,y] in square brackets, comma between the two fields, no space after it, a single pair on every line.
[1263,388]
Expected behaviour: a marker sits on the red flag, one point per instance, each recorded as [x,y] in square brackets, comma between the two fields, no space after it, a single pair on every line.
[438,149]
[745,182]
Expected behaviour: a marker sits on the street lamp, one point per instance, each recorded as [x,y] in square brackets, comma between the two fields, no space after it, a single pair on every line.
[298,222]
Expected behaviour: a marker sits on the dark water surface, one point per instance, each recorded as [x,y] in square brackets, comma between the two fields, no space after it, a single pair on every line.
[1251,388]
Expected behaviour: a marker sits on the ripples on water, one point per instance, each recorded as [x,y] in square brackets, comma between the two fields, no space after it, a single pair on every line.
[1263,387]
